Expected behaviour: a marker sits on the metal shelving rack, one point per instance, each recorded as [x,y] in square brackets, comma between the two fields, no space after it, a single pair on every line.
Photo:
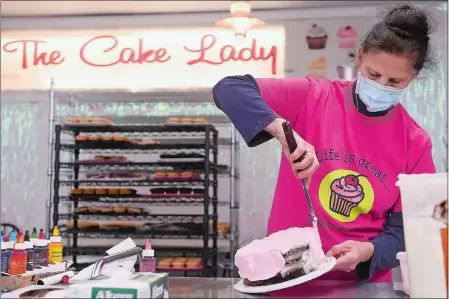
[117,96]
[208,167]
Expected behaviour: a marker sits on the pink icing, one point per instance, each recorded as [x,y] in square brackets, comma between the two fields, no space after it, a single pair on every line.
[262,258]
[347,31]
[352,193]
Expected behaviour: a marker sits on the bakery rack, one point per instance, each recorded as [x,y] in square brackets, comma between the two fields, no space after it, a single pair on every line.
[157,127]
[188,226]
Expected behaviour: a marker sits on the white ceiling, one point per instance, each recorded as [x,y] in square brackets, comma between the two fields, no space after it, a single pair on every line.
[57,8]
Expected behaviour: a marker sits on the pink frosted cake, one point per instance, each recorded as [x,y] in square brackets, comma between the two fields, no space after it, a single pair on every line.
[282,256]
[347,37]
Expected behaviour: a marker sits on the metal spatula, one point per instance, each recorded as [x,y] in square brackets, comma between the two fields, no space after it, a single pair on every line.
[291,142]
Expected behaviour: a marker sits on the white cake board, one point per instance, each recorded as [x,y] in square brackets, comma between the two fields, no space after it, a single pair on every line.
[326,265]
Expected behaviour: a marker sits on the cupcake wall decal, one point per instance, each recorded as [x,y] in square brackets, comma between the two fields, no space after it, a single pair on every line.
[347,37]
[348,70]
[316,38]
[346,194]
[317,68]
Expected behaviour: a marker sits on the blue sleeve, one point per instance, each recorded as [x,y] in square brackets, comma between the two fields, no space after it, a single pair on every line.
[239,97]
[386,246]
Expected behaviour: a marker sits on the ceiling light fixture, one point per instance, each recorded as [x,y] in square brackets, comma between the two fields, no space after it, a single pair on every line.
[240,19]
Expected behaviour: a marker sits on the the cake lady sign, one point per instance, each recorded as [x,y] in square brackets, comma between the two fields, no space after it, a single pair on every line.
[136,59]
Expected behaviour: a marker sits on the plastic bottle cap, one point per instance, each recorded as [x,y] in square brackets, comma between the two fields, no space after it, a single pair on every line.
[148,252]
[19,246]
[55,239]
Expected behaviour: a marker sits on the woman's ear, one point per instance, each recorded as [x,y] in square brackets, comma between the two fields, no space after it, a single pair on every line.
[359,57]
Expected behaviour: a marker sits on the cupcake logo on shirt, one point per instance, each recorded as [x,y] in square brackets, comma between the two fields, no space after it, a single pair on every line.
[345,194]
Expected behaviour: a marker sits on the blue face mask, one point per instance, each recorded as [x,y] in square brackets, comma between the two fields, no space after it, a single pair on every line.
[376,96]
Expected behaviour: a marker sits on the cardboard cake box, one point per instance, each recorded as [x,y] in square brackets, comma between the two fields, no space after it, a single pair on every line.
[425,226]
[140,285]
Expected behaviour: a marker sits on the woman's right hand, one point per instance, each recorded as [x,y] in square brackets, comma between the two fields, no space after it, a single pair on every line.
[301,169]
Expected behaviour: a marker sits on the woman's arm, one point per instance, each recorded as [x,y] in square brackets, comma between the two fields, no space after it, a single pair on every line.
[253,104]
[392,241]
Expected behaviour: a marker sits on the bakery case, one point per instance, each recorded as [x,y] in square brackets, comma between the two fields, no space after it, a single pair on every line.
[108,178]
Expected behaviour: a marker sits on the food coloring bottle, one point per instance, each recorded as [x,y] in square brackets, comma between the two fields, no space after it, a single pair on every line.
[29,251]
[9,248]
[40,252]
[18,260]
[13,236]
[41,234]
[19,237]
[5,257]
[33,235]
[55,247]
[147,262]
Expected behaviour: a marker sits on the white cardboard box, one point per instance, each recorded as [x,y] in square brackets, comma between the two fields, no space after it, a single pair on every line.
[426,271]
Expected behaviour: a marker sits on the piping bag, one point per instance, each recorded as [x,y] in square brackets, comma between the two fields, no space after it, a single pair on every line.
[291,142]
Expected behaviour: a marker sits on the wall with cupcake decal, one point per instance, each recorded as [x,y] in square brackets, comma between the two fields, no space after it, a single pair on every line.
[325,48]
[321,47]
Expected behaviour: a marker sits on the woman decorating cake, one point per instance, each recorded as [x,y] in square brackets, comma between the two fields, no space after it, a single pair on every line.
[355,138]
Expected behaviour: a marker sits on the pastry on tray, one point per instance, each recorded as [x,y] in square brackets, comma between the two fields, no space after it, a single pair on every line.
[165,262]
[160,174]
[134,210]
[113,191]
[193,262]
[282,256]
[187,174]
[89,191]
[126,191]
[81,209]
[83,224]
[184,190]
[93,209]
[77,191]
[106,137]
[172,174]
[83,120]
[118,225]
[198,190]
[179,262]
[100,191]
[100,120]
[157,190]
[94,137]
[81,138]
[72,120]
[105,210]
[147,142]
[200,121]
[173,120]
[120,138]
[187,120]
[119,210]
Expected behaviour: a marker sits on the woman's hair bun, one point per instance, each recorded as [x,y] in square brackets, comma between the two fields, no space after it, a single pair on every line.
[403,30]
[410,19]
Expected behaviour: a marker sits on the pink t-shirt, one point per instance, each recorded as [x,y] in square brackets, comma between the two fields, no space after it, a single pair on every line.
[360,158]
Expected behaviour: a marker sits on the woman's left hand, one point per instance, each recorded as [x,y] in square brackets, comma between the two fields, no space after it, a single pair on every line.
[350,253]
